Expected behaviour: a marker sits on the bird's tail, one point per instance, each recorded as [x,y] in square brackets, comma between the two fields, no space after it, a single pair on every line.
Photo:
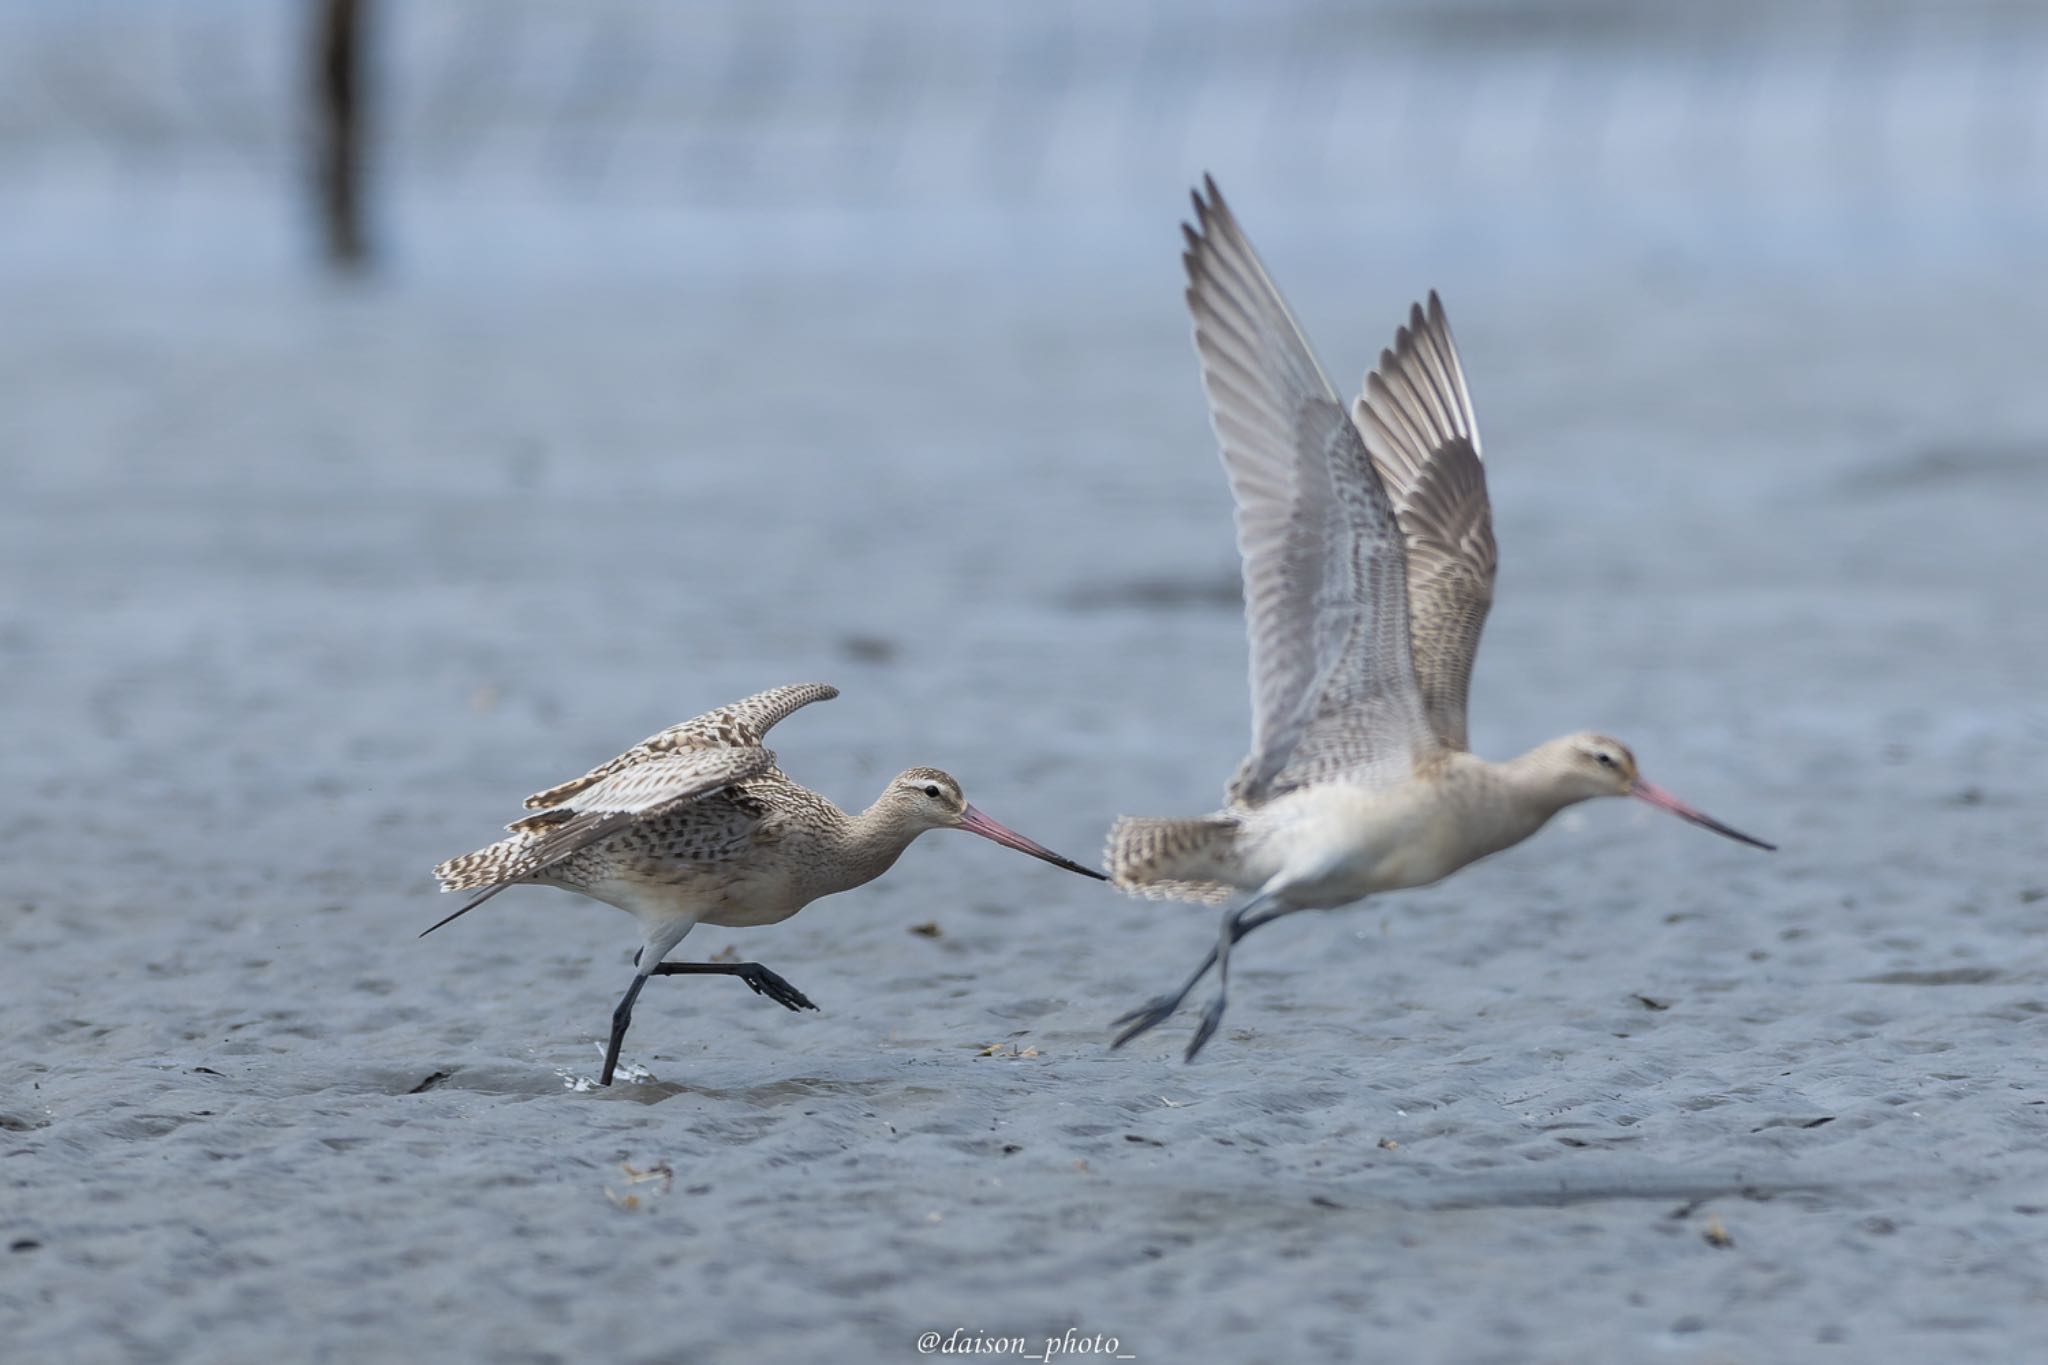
[1184,860]
[488,870]
[507,860]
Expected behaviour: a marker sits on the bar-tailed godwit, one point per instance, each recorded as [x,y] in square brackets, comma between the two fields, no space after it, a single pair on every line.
[696,825]
[1368,568]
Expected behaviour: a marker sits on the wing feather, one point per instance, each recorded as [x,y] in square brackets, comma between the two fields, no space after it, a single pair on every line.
[741,725]
[699,758]
[1415,415]
[634,794]
[1333,687]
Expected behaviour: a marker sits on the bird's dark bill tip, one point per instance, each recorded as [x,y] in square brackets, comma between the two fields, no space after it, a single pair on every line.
[1664,800]
[974,822]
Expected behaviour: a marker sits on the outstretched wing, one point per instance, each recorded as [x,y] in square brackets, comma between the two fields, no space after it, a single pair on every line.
[640,792]
[741,725]
[1334,696]
[683,763]
[1416,417]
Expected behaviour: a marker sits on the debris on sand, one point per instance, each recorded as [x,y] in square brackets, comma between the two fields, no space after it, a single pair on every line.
[635,1175]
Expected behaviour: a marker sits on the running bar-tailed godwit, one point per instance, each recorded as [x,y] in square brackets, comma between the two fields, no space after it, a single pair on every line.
[696,825]
[1368,569]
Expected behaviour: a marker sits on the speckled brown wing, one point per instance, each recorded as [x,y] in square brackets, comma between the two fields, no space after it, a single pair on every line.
[741,725]
[1416,417]
[632,795]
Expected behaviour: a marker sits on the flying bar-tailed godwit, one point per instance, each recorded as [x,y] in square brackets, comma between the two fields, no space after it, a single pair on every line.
[1368,568]
[696,825]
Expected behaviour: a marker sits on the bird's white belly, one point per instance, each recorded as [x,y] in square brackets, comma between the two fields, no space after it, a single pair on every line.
[1329,846]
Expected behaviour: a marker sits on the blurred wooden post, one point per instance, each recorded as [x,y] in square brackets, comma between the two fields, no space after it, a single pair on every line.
[338,144]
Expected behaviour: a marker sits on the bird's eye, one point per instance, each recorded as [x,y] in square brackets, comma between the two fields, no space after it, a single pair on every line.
[931,789]
[1606,760]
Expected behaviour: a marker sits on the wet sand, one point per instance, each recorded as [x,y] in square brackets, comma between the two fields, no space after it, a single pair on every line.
[311,585]
[309,604]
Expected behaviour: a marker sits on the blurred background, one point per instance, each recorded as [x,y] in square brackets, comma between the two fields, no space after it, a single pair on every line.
[710,138]
[629,357]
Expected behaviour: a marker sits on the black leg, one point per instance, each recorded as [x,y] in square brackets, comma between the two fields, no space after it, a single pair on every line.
[1236,924]
[758,978]
[1212,1017]
[1160,1008]
[621,1017]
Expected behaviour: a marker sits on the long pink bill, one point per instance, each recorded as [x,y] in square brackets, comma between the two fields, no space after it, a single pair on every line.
[1664,800]
[974,822]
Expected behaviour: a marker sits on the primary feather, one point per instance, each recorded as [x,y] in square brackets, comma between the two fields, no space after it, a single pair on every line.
[1334,693]
[1416,417]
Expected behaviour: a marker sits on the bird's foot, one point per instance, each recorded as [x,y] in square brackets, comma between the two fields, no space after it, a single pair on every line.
[764,982]
[1211,1017]
[1146,1017]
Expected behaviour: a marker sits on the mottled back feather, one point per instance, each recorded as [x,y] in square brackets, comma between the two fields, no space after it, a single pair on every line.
[1415,415]
[693,761]
[630,795]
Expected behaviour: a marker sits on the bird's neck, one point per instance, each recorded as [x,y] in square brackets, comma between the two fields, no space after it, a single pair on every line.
[1526,792]
[871,842]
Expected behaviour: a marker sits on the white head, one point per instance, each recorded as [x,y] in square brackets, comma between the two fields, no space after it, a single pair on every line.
[1582,766]
[926,798]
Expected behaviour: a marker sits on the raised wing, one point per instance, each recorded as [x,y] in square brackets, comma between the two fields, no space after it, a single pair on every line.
[742,725]
[630,794]
[633,794]
[1333,687]
[1416,418]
